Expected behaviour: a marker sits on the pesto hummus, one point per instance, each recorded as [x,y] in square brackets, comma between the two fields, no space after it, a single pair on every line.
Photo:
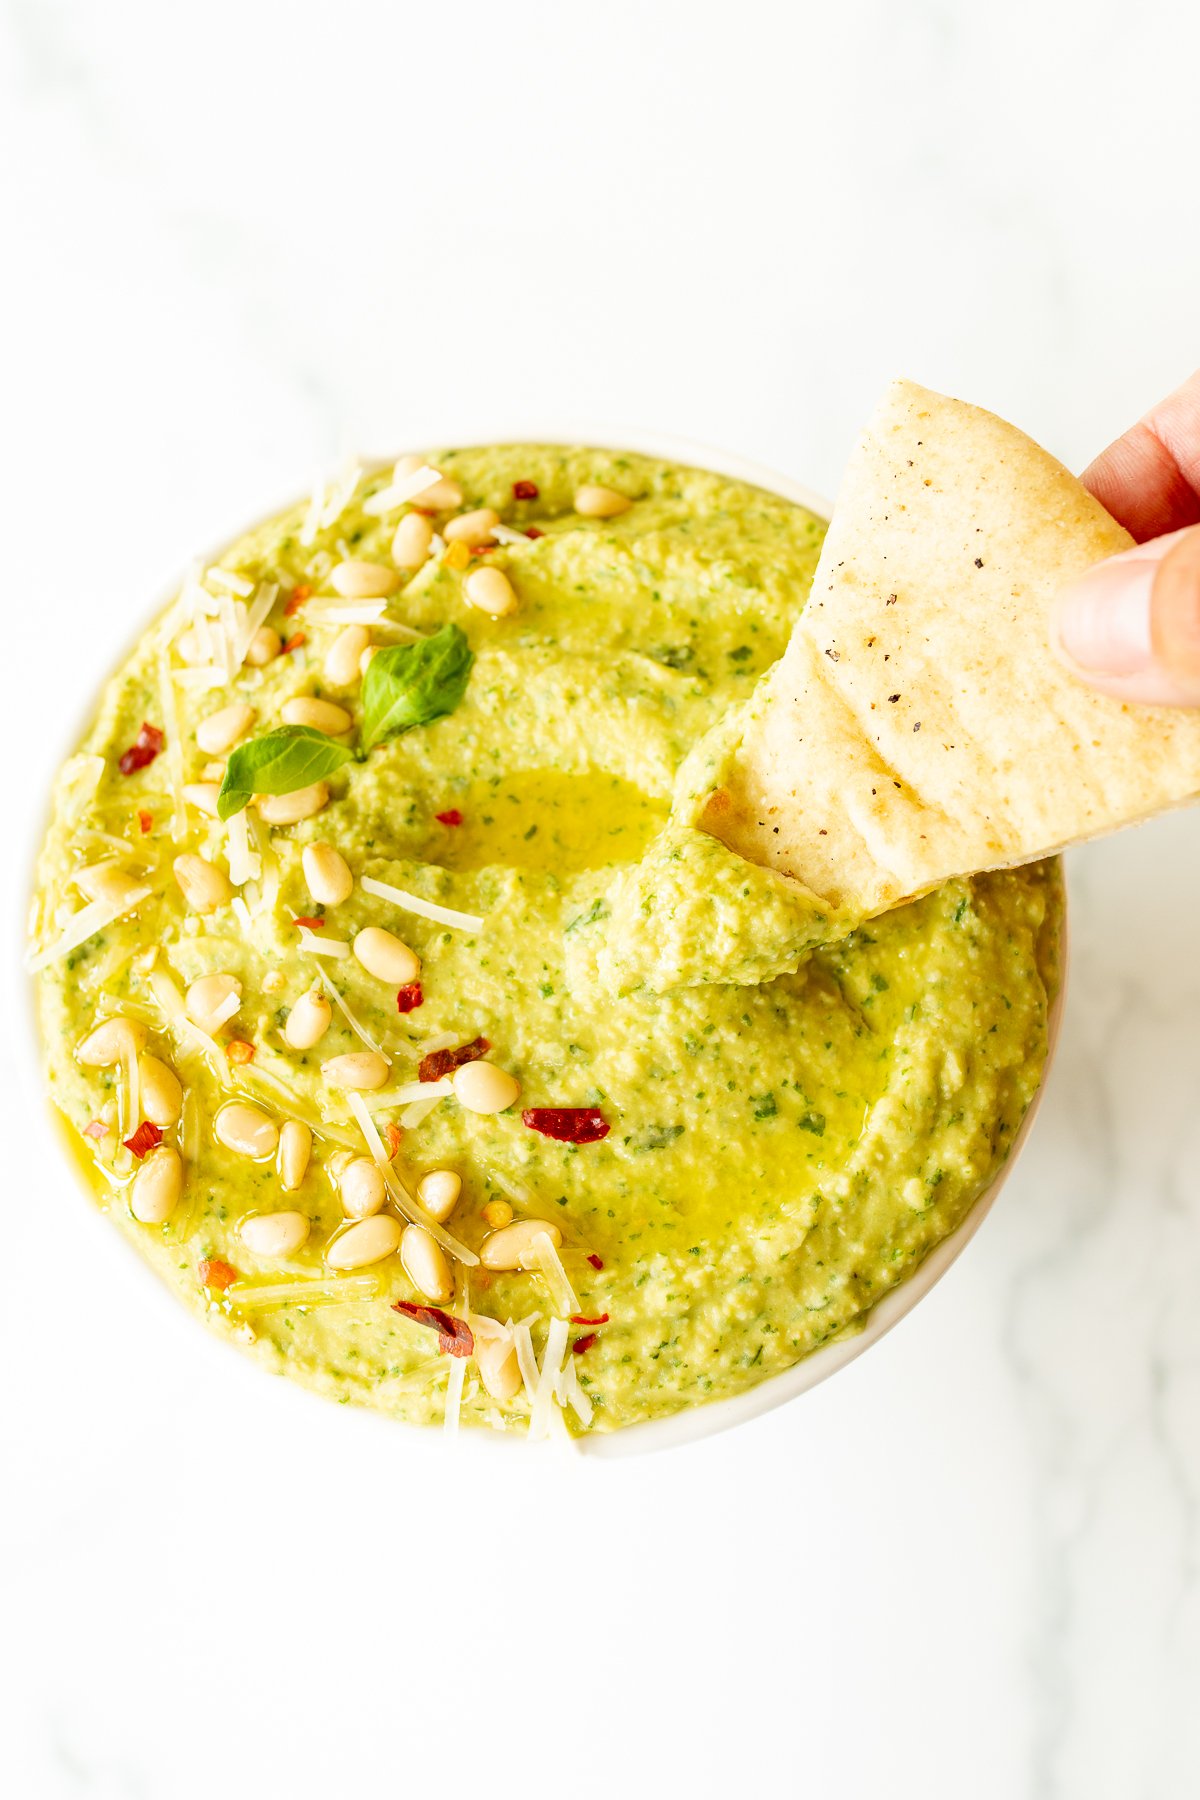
[340,941]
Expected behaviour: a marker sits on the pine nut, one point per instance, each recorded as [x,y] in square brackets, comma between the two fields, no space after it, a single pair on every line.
[512,1247]
[342,657]
[601,503]
[440,496]
[203,796]
[274,1234]
[362,1188]
[490,591]
[382,954]
[410,546]
[221,730]
[471,528]
[246,1130]
[438,1193]
[111,1042]
[308,1020]
[157,1186]
[321,715]
[289,809]
[497,1213]
[364,661]
[499,1371]
[358,580]
[191,647]
[425,1265]
[327,874]
[265,646]
[104,881]
[162,1095]
[359,1069]
[483,1088]
[295,1148]
[207,996]
[203,887]
[369,1241]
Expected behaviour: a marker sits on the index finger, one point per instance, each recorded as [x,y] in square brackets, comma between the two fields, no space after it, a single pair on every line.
[1150,478]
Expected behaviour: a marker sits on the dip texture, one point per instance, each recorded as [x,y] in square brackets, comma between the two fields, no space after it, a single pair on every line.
[755,1165]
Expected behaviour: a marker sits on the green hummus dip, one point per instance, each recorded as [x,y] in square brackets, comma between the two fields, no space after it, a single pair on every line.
[761,1156]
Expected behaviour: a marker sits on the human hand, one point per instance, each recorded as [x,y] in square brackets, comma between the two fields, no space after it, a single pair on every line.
[1131,625]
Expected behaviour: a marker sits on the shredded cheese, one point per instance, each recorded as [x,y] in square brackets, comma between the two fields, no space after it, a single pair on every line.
[280,1293]
[526,1360]
[549,1267]
[454,1389]
[255,615]
[417,1113]
[170,713]
[399,493]
[425,909]
[93,917]
[421,1090]
[175,1013]
[226,1010]
[244,864]
[404,1202]
[225,578]
[241,913]
[543,1399]
[504,534]
[335,947]
[574,1396]
[357,1027]
[345,612]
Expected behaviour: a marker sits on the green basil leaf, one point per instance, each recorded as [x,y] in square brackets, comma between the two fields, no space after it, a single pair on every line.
[412,684]
[293,757]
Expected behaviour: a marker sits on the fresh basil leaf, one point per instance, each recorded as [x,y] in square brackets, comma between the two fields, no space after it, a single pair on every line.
[412,684]
[293,757]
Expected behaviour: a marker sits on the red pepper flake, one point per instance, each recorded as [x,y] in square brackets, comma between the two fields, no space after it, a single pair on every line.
[393,1137]
[95,1129]
[455,1337]
[216,1273]
[296,600]
[567,1124]
[143,750]
[578,1319]
[483,549]
[294,642]
[583,1343]
[533,532]
[426,512]
[239,1051]
[409,997]
[525,490]
[595,1261]
[145,821]
[310,924]
[453,817]
[146,1138]
[444,1062]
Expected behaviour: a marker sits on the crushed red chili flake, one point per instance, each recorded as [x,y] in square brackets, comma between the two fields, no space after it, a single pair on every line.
[409,997]
[143,750]
[455,1337]
[533,532]
[216,1273]
[393,1135]
[96,1128]
[567,1124]
[146,1138]
[310,924]
[579,1319]
[426,512]
[525,490]
[145,821]
[296,600]
[294,642]
[444,1062]
[453,817]
[239,1051]
[583,1343]
[483,549]
[595,1261]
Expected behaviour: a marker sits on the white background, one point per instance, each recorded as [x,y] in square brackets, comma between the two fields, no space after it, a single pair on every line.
[238,239]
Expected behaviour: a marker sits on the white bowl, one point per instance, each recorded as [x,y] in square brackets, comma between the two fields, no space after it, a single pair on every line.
[716,1415]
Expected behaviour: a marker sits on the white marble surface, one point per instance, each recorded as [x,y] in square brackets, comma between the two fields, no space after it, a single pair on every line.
[240,238]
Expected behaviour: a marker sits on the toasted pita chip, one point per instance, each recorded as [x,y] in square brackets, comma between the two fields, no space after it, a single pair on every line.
[919,726]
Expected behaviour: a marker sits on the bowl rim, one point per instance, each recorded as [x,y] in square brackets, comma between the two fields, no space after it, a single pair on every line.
[706,1419]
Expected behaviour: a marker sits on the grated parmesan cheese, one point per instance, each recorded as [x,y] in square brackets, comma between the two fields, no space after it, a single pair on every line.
[255,616]
[425,909]
[244,864]
[574,1396]
[93,917]
[170,1002]
[526,1360]
[405,1203]
[504,534]
[400,492]
[543,1400]
[549,1267]
[174,758]
[225,578]
[417,1113]
[315,946]
[357,1027]
[328,1291]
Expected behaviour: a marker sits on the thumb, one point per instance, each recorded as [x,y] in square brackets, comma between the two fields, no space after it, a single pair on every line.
[1131,626]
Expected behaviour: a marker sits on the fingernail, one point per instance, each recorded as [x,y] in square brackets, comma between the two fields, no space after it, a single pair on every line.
[1102,621]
